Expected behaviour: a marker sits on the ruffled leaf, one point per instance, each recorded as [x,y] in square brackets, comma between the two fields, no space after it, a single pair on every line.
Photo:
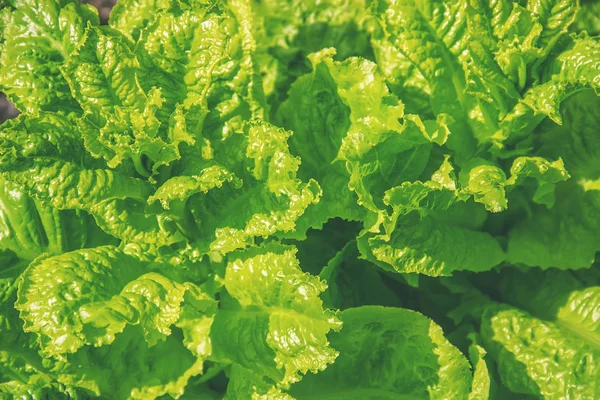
[278,306]
[61,286]
[36,38]
[389,353]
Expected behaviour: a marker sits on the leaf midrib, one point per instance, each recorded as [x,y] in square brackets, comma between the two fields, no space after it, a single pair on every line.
[458,86]
[579,331]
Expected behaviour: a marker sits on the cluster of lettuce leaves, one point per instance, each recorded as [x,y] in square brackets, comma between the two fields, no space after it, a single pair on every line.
[300,199]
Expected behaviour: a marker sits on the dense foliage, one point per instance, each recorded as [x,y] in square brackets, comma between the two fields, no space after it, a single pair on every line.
[300,199]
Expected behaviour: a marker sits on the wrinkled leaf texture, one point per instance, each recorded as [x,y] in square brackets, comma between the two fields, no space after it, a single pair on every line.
[336,199]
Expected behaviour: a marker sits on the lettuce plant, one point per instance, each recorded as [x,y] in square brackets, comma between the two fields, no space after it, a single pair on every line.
[300,199]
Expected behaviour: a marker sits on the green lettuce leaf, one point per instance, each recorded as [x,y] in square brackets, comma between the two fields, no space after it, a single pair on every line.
[115,201]
[263,198]
[277,305]
[540,325]
[205,55]
[565,237]
[131,16]
[95,317]
[122,119]
[479,62]
[425,246]
[23,371]
[488,183]
[288,31]
[431,230]
[105,303]
[247,385]
[517,340]
[418,237]
[576,139]
[320,120]
[36,38]
[555,17]
[556,336]
[30,228]
[481,388]
[44,157]
[431,36]
[129,368]
[570,70]
[355,146]
[389,353]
